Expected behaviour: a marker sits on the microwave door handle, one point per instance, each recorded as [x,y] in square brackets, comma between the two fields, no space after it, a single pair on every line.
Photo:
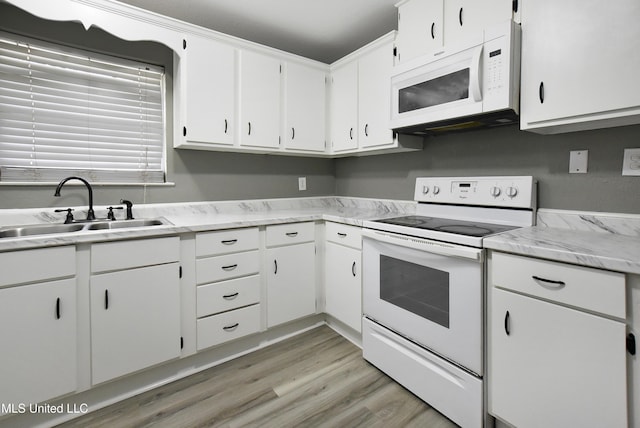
[475,75]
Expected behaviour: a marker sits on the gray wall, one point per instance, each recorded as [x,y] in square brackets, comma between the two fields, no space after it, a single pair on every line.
[201,176]
[198,175]
[508,151]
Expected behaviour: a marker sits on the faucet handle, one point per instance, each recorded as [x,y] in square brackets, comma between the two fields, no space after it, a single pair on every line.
[110,214]
[69,218]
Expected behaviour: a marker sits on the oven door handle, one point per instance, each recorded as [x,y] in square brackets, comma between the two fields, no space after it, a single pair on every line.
[427,245]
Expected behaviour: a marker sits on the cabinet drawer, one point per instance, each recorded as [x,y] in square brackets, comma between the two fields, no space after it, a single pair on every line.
[291,233]
[120,255]
[17,267]
[227,326]
[581,287]
[212,269]
[342,234]
[227,295]
[226,241]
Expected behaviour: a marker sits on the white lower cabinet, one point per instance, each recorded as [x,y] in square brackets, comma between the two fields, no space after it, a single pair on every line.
[228,285]
[290,271]
[38,328]
[551,365]
[135,312]
[343,274]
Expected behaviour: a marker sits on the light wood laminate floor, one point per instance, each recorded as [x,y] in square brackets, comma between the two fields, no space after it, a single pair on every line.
[316,379]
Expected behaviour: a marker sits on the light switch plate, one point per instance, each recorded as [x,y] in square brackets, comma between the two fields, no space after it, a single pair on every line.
[631,162]
[578,160]
[302,183]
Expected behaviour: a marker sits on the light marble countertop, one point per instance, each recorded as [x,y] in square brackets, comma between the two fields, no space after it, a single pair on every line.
[605,241]
[205,216]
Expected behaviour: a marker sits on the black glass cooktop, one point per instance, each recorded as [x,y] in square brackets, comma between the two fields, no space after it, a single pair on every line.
[459,227]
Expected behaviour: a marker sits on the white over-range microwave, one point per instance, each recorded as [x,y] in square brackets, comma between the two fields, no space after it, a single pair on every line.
[469,85]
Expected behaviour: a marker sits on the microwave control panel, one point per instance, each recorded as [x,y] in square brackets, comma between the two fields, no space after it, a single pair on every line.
[512,192]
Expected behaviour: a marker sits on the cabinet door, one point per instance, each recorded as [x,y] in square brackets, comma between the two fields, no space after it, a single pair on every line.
[259,100]
[304,109]
[374,82]
[135,320]
[291,288]
[577,59]
[210,91]
[343,284]
[38,330]
[553,366]
[464,19]
[420,28]
[344,107]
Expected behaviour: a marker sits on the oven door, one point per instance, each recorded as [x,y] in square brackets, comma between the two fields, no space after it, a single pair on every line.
[427,291]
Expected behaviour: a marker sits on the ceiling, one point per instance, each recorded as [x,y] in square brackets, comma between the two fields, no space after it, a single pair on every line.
[324,30]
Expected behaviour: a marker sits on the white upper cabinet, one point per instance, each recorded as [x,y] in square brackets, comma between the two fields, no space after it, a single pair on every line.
[259,121]
[209,85]
[304,108]
[420,28]
[361,102]
[467,18]
[374,96]
[426,26]
[344,107]
[580,65]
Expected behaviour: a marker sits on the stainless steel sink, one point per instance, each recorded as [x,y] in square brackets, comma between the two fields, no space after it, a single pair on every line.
[49,229]
[120,224]
[39,229]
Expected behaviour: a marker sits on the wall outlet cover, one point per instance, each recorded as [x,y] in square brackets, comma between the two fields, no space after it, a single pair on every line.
[631,162]
[578,161]
[302,183]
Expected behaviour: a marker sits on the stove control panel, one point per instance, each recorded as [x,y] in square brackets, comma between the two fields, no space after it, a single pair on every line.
[509,192]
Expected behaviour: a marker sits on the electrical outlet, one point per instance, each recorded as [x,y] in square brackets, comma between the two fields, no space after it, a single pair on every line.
[631,162]
[578,160]
[302,183]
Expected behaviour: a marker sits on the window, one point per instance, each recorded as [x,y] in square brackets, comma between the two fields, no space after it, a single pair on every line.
[65,111]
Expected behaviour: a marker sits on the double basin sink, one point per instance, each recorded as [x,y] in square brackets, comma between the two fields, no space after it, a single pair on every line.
[49,229]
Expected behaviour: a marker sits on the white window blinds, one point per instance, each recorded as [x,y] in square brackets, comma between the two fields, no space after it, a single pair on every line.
[68,112]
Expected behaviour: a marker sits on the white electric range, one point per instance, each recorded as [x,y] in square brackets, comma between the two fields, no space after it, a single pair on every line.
[423,287]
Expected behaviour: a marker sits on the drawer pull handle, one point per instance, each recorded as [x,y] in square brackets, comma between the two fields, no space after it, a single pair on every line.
[106,299]
[550,282]
[353,268]
[230,267]
[229,241]
[292,234]
[342,235]
[230,296]
[58,308]
[231,327]
[507,328]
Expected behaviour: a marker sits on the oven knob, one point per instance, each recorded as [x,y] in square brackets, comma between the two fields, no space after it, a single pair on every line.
[425,189]
[495,191]
[512,192]
[436,190]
